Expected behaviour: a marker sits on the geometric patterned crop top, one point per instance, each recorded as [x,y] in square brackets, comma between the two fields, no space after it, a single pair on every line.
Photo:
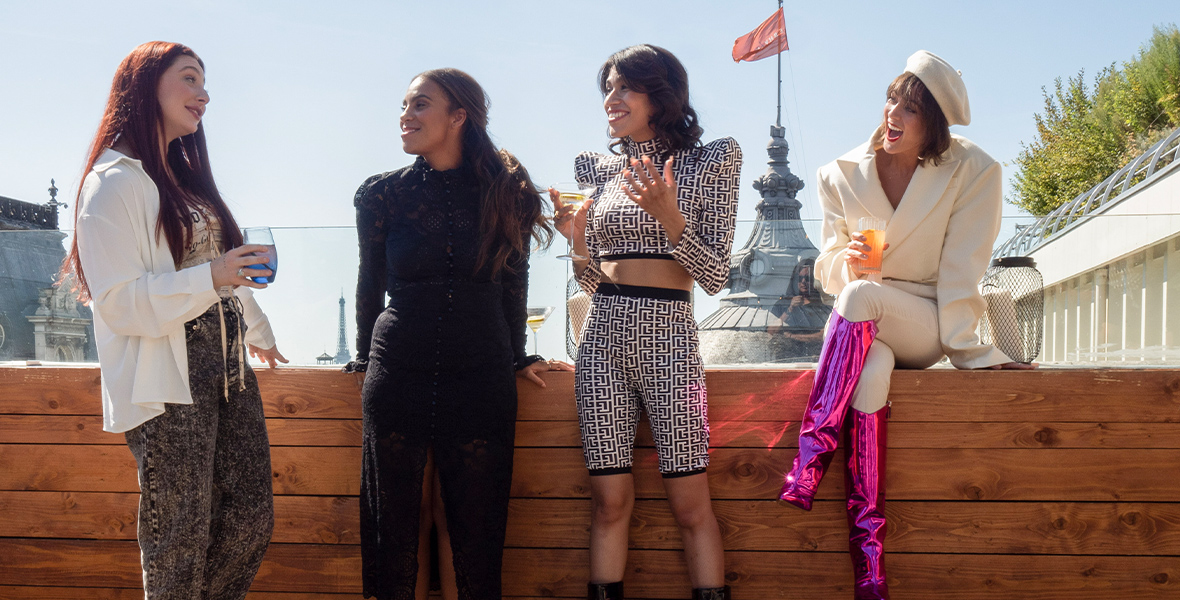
[707,181]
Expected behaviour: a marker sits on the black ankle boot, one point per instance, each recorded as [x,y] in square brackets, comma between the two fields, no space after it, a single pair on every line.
[721,593]
[604,591]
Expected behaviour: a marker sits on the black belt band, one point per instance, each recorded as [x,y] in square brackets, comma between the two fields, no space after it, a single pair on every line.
[643,291]
[627,255]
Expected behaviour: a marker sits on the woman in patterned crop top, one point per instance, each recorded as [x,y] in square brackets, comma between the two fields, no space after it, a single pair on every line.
[661,219]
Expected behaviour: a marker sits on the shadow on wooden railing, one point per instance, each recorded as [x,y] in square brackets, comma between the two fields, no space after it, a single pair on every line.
[1049,484]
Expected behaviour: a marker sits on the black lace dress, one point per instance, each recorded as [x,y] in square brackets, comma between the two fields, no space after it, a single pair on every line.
[440,375]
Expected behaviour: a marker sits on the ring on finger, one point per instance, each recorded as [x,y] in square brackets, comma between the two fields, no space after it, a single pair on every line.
[241,273]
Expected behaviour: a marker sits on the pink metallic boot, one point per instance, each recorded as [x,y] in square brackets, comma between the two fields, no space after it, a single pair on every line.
[864,478]
[841,360]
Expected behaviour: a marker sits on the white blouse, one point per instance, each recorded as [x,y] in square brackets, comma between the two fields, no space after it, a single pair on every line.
[140,300]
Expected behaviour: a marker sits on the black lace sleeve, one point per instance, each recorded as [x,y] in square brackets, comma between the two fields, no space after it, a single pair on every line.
[515,281]
[371,227]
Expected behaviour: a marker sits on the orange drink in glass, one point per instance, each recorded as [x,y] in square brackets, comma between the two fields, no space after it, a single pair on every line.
[873,229]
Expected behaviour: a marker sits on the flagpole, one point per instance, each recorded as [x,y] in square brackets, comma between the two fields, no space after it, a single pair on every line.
[778,120]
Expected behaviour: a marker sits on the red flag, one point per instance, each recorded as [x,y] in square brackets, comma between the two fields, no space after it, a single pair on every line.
[768,39]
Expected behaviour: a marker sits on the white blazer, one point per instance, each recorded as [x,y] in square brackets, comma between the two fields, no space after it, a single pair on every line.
[140,301]
[940,235]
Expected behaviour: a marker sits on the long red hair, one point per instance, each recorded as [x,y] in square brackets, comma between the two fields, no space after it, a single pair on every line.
[133,117]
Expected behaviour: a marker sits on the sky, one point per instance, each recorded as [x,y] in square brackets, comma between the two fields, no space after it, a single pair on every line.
[305,98]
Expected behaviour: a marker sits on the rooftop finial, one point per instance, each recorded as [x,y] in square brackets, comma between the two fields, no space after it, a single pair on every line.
[53,203]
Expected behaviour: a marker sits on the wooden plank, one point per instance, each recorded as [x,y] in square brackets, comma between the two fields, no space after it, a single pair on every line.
[315,432]
[1033,434]
[319,471]
[77,429]
[86,515]
[56,429]
[912,474]
[952,527]
[50,390]
[81,429]
[287,567]
[112,516]
[651,573]
[661,574]
[1077,395]
[310,393]
[317,520]
[67,468]
[1091,528]
[8,592]
[91,593]
[734,473]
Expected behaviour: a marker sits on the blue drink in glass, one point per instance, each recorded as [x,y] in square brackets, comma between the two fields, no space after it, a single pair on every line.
[271,263]
[261,236]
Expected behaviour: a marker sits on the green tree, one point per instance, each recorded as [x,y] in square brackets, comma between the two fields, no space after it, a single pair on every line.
[1072,150]
[1082,137]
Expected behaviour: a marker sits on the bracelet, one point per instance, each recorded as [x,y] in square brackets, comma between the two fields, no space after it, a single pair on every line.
[528,360]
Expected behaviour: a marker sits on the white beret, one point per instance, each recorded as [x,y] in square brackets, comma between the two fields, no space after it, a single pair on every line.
[944,83]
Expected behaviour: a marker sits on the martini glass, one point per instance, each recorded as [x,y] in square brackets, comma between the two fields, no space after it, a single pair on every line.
[537,318]
[573,194]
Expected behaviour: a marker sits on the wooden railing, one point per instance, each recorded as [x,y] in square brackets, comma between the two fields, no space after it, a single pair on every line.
[1047,485]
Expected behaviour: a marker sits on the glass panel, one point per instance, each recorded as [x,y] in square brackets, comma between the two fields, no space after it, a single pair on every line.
[1112,296]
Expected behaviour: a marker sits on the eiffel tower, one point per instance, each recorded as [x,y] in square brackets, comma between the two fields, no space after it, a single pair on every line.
[342,354]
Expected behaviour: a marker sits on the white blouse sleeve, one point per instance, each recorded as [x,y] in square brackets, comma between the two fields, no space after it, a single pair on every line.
[132,300]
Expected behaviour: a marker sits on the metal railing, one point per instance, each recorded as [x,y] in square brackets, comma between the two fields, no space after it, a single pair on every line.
[1157,162]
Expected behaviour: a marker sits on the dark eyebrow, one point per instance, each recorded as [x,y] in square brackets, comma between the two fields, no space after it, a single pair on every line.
[193,68]
[420,96]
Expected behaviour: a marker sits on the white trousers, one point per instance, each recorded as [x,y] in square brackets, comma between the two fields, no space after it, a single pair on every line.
[907,333]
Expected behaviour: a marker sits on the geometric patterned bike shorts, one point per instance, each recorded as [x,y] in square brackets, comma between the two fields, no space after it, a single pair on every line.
[639,351]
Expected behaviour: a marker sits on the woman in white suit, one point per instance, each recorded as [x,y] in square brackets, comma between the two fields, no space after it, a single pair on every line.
[941,197]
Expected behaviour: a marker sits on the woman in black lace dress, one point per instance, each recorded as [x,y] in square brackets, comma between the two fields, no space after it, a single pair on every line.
[448,239]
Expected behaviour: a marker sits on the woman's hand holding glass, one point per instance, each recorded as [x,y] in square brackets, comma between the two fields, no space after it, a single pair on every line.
[858,250]
[656,195]
[570,221]
[228,269]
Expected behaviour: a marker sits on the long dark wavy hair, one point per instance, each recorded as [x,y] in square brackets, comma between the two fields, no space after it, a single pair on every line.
[654,71]
[510,207]
[182,175]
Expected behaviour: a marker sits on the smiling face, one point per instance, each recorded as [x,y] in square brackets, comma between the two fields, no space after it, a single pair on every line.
[905,130]
[628,112]
[428,125]
[182,96]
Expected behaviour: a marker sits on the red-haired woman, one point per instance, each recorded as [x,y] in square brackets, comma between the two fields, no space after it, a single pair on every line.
[160,258]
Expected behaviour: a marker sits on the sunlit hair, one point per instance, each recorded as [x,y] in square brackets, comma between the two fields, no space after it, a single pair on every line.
[511,209]
[654,71]
[911,93]
[133,117]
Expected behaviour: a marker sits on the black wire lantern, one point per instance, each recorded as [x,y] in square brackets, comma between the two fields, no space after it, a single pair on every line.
[1015,315]
[577,305]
